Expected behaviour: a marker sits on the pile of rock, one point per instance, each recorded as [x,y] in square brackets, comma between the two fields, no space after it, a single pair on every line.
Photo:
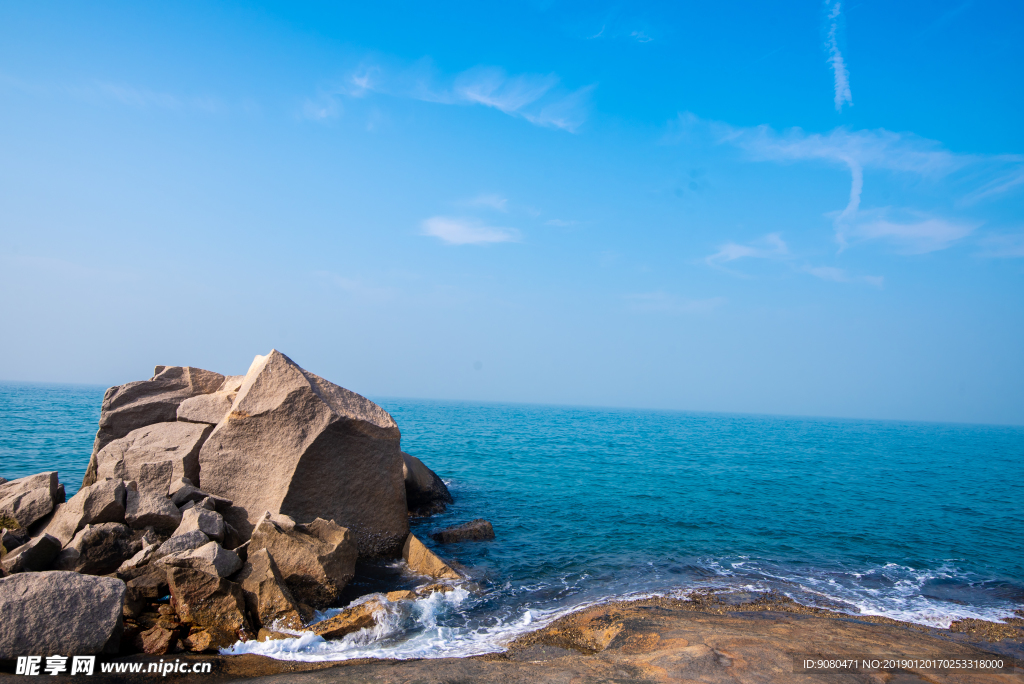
[246,500]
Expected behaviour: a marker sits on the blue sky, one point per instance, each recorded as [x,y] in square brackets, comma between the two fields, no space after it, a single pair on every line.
[809,208]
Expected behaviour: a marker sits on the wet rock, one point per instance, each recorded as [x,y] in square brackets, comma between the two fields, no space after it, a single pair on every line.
[315,450]
[271,635]
[59,612]
[139,404]
[151,509]
[101,502]
[206,521]
[34,555]
[199,641]
[349,620]
[156,640]
[476,530]
[404,595]
[155,455]
[29,499]
[425,493]
[434,588]
[422,560]
[267,597]
[96,550]
[210,603]
[183,542]
[211,558]
[316,560]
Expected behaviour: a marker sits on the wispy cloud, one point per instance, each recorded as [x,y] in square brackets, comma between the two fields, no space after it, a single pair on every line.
[771,246]
[466,231]
[915,234]
[1006,246]
[835,57]
[664,302]
[839,275]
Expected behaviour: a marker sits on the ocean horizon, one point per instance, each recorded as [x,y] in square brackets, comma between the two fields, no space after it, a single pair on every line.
[915,521]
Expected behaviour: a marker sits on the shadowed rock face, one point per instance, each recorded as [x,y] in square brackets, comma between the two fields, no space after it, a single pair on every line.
[29,499]
[308,449]
[138,404]
[425,493]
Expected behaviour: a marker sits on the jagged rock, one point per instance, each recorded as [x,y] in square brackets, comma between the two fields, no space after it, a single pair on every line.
[267,597]
[206,408]
[311,449]
[142,590]
[271,635]
[96,550]
[138,404]
[211,558]
[140,559]
[316,560]
[12,539]
[425,493]
[34,555]
[475,530]
[403,595]
[422,560]
[156,640]
[150,509]
[59,612]
[434,588]
[183,492]
[155,455]
[29,499]
[199,641]
[101,502]
[210,603]
[182,542]
[206,521]
[349,620]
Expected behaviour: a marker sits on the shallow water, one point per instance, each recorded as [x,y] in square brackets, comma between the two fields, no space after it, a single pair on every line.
[915,521]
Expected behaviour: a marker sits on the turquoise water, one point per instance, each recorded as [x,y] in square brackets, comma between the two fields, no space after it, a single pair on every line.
[915,521]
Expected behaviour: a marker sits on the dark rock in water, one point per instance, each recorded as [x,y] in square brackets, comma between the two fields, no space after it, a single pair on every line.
[310,449]
[315,560]
[100,502]
[210,603]
[425,493]
[476,530]
[29,499]
[138,404]
[97,550]
[155,455]
[34,555]
[267,596]
[60,612]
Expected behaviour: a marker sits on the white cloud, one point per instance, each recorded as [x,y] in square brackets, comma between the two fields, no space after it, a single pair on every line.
[466,231]
[771,246]
[918,235]
[663,302]
[640,37]
[835,58]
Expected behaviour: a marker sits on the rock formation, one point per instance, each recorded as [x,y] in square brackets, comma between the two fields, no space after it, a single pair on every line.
[425,493]
[475,530]
[155,455]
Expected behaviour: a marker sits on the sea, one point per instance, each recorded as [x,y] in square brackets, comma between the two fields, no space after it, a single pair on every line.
[920,522]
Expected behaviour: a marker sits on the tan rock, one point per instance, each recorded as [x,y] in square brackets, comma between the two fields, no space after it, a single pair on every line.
[349,620]
[267,597]
[208,522]
[29,499]
[199,641]
[422,560]
[101,502]
[155,455]
[432,588]
[309,449]
[211,558]
[151,509]
[404,595]
[271,635]
[211,603]
[138,404]
[206,408]
[156,640]
[316,560]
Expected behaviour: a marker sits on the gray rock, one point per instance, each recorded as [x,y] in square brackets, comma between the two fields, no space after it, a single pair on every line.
[206,408]
[12,539]
[96,550]
[315,560]
[98,503]
[140,559]
[309,449]
[425,493]
[475,530]
[34,555]
[149,509]
[184,542]
[208,522]
[60,612]
[211,558]
[183,492]
[29,499]
[155,455]
[138,404]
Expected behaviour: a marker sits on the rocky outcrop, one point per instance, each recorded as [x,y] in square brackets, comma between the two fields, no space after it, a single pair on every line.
[475,530]
[309,449]
[211,603]
[349,620]
[29,499]
[97,550]
[155,455]
[270,602]
[34,555]
[315,560]
[59,612]
[422,561]
[149,509]
[138,404]
[101,502]
[425,493]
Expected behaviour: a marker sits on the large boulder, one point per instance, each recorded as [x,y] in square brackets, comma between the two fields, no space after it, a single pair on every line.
[100,502]
[154,456]
[34,555]
[208,522]
[60,612]
[423,561]
[270,602]
[474,530]
[308,449]
[210,603]
[315,560]
[138,404]
[425,493]
[29,499]
[211,558]
[150,509]
[96,550]
[192,539]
